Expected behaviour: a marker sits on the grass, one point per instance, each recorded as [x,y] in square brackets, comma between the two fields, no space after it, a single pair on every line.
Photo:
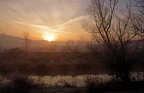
[19,83]
[55,64]
[93,85]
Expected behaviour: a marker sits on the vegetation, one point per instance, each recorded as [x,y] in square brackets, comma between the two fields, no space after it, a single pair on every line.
[93,85]
[26,41]
[117,48]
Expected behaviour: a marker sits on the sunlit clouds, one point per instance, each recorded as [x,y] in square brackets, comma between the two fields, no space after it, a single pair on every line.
[59,17]
[49,37]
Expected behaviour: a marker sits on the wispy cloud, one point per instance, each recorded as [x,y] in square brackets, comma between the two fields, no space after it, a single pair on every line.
[42,27]
[41,16]
[72,21]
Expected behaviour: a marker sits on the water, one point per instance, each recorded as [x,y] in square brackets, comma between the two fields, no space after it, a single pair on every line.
[76,80]
[80,79]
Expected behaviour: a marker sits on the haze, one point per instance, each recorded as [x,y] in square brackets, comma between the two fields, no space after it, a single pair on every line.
[60,19]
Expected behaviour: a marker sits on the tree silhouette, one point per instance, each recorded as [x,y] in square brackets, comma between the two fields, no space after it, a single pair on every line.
[27,41]
[115,42]
[138,18]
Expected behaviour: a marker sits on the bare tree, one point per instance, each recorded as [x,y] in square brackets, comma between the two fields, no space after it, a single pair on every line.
[114,39]
[27,41]
[138,18]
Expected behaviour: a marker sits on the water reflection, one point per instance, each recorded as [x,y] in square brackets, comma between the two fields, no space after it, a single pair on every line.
[78,80]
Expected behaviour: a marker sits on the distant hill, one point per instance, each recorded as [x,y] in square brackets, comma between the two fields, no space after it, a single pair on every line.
[8,42]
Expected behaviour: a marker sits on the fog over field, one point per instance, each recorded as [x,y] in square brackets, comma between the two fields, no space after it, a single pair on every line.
[71,46]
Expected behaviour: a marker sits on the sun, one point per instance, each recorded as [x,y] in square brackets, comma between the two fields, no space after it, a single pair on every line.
[49,37]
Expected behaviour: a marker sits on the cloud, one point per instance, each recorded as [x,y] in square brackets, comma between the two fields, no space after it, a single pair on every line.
[55,10]
[71,21]
[54,16]
[40,27]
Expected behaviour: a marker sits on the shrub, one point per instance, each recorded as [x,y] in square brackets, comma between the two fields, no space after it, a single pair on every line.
[20,84]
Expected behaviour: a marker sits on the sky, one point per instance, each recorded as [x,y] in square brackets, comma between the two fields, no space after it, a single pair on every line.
[42,18]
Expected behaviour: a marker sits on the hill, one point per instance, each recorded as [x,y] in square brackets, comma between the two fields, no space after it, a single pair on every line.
[8,42]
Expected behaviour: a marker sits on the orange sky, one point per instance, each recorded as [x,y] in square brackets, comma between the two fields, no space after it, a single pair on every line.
[59,18]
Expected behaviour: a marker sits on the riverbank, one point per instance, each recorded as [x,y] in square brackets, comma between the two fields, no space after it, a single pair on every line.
[27,85]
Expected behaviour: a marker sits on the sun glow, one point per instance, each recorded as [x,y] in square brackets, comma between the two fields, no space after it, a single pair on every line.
[49,37]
